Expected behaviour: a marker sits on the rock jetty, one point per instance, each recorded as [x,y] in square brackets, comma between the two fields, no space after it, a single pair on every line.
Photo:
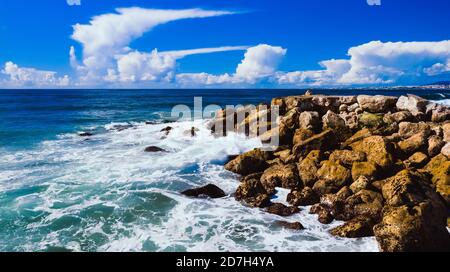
[380,164]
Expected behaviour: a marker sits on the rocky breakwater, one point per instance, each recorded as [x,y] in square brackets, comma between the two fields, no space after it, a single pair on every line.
[380,164]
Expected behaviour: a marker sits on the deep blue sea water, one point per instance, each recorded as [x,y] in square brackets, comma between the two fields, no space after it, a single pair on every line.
[60,191]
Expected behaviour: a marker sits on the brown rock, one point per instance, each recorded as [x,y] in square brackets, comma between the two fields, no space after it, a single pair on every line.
[356,228]
[248,163]
[413,104]
[280,175]
[446,131]
[308,168]
[310,120]
[376,150]
[414,143]
[364,203]
[323,141]
[435,145]
[252,192]
[368,170]
[446,150]
[415,216]
[347,157]
[439,168]
[377,104]
[209,190]
[305,197]
[301,135]
[417,160]
[360,184]
[398,117]
[334,122]
[415,228]
[290,225]
[282,210]
[335,173]
[407,129]
[325,216]
[371,120]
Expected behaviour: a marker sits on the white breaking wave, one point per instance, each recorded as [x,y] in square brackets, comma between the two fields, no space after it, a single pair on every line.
[105,193]
[443,101]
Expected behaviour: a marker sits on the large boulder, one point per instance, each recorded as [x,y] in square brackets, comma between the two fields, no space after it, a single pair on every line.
[439,168]
[356,228]
[248,163]
[368,170]
[252,192]
[365,203]
[412,103]
[376,149]
[398,117]
[322,141]
[446,150]
[377,104]
[414,143]
[304,197]
[371,120]
[308,168]
[417,160]
[407,129]
[310,120]
[332,177]
[446,132]
[301,135]
[280,175]
[435,145]
[347,157]
[439,113]
[334,122]
[414,217]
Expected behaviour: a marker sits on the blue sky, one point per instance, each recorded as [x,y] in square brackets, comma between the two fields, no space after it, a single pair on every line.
[257,43]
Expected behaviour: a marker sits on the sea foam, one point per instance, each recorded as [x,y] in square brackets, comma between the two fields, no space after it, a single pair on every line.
[104,193]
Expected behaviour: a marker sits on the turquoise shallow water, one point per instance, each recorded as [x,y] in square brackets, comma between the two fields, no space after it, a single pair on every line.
[63,192]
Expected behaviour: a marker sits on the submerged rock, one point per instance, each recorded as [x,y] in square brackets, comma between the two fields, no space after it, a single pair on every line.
[209,190]
[85,134]
[154,149]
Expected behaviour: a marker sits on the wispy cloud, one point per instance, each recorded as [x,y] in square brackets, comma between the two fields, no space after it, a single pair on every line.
[74,2]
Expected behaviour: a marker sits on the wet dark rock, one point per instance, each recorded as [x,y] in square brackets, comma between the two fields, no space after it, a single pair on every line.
[304,197]
[167,130]
[209,190]
[290,225]
[282,210]
[154,149]
[85,134]
[356,228]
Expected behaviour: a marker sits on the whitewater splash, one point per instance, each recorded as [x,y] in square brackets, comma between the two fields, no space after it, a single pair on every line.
[104,193]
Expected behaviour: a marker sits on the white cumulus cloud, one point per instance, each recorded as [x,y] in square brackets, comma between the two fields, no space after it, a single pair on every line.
[31,77]
[106,38]
[260,62]
[378,63]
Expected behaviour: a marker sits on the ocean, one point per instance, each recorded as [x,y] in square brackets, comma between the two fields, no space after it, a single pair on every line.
[63,192]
